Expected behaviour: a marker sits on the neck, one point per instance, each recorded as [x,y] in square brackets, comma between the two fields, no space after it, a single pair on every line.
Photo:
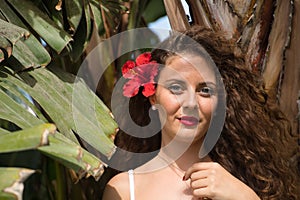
[181,154]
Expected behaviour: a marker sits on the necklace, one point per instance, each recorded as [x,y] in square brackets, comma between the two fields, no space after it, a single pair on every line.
[175,169]
[171,165]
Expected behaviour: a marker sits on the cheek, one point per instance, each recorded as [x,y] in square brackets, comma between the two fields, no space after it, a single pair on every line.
[207,106]
[171,106]
[168,103]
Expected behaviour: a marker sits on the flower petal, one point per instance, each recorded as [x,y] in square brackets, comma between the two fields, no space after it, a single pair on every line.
[154,71]
[127,66]
[143,58]
[131,88]
[149,89]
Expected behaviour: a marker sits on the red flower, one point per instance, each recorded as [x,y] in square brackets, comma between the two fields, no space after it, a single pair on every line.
[127,66]
[149,89]
[142,74]
[143,59]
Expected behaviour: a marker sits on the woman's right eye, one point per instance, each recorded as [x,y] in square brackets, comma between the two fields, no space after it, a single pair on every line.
[176,88]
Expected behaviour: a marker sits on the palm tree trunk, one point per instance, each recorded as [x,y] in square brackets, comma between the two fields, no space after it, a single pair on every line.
[290,87]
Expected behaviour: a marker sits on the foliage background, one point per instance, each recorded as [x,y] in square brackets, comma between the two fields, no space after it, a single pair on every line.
[42,45]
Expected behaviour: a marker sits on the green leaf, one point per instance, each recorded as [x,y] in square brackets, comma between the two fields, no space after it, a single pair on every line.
[5,48]
[73,156]
[50,95]
[135,13]
[55,11]
[14,112]
[29,52]
[71,105]
[12,32]
[80,106]
[2,16]
[154,10]
[2,56]
[39,53]
[74,12]
[82,35]
[26,139]
[42,24]
[11,182]
[97,16]
[21,97]
[3,131]
[10,15]
[112,11]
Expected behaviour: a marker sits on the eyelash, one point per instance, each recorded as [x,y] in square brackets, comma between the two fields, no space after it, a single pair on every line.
[208,91]
[176,89]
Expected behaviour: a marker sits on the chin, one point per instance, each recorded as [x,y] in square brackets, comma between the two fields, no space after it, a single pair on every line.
[189,135]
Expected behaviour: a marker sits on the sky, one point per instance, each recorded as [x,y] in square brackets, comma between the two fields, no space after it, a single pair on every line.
[163,23]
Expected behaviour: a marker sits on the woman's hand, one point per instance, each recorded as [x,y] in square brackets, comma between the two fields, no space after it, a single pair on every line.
[211,180]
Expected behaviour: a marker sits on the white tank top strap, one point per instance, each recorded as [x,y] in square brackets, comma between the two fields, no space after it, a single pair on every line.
[131,184]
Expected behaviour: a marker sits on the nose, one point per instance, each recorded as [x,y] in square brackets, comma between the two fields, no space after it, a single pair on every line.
[190,100]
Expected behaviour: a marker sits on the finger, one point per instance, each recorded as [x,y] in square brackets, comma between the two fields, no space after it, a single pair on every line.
[199,183]
[199,175]
[202,193]
[196,167]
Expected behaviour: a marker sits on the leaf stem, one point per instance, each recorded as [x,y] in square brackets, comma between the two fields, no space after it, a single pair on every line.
[60,182]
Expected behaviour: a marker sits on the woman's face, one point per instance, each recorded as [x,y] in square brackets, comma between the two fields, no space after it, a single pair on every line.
[186,98]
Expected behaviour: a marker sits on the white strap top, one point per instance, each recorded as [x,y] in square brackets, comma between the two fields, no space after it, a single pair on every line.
[131,184]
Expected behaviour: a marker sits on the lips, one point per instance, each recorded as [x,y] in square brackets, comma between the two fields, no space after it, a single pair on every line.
[188,120]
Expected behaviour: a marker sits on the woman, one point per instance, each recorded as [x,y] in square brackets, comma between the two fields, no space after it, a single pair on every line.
[185,91]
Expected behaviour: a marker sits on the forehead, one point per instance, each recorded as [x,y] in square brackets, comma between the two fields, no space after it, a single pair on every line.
[192,68]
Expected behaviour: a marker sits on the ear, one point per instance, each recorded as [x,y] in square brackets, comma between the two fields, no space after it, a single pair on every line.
[152,99]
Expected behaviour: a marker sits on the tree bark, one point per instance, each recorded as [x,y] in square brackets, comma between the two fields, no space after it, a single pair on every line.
[177,17]
[290,89]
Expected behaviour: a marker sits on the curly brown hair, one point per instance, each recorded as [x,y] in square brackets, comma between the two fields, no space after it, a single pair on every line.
[251,145]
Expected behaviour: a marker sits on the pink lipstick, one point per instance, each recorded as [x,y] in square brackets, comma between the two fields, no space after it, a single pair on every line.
[189,120]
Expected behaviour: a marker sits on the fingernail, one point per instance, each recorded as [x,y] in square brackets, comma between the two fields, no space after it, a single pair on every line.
[183,178]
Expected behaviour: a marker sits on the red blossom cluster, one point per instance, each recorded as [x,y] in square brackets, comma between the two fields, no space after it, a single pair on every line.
[140,73]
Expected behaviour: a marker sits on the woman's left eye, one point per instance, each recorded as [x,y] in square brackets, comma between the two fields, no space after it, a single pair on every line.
[206,91]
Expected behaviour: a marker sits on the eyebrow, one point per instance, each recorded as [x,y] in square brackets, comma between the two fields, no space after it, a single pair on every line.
[207,83]
[182,81]
[175,80]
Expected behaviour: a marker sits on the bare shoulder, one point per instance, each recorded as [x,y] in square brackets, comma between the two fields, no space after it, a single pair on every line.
[117,188]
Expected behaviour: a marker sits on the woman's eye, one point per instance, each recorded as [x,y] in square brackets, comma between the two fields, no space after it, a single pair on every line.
[176,89]
[207,91]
